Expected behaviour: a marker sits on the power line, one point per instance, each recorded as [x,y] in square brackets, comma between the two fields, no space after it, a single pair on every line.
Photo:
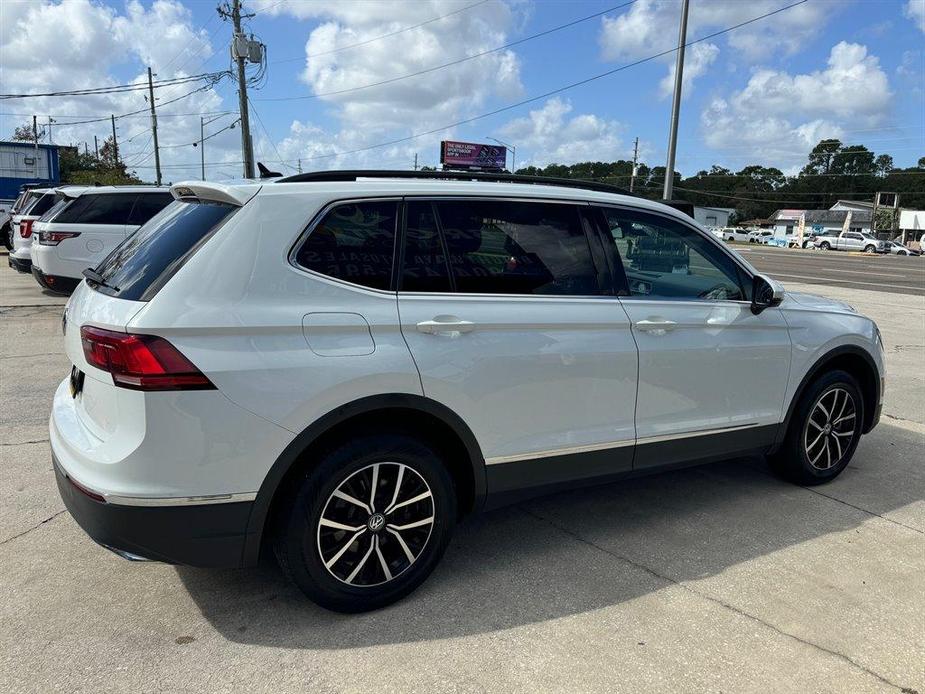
[383,36]
[558,90]
[455,62]
[114,89]
[267,133]
[146,109]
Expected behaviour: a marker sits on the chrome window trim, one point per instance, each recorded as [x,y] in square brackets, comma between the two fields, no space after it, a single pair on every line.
[518,457]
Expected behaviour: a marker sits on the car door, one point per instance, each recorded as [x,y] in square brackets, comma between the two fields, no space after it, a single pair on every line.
[507,308]
[712,375]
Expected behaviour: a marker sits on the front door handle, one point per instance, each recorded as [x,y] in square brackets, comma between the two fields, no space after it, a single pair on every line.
[658,326]
[445,325]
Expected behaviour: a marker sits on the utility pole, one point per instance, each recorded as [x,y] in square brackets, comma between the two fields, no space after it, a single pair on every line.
[202,146]
[51,140]
[300,165]
[239,51]
[96,147]
[676,103]
[35,131]
[415,161]
[115,144]
[635,159]
[157,153]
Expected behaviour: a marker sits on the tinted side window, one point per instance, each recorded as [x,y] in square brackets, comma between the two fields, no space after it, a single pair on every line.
[354,242]
[668,260]
[504,247]
[105,208]
[42,205]
[144,262]
[147,205]
[424,268]
[77,207]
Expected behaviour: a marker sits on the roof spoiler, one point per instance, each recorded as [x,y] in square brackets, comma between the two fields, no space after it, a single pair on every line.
[214,192]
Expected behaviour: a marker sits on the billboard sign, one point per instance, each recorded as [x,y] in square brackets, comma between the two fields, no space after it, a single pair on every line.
[471,155]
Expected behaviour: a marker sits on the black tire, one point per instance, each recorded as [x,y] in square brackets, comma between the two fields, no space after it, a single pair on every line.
[802,458]
[825,245]
[870,249]
[303,546]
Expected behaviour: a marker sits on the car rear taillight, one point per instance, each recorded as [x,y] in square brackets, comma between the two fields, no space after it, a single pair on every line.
[141,362]
[25,228]
[53,238]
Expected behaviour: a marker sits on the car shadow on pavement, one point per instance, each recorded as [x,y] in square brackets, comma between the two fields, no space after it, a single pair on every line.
[576,551]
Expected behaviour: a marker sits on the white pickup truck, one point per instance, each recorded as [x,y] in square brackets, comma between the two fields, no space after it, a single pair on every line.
[851,241]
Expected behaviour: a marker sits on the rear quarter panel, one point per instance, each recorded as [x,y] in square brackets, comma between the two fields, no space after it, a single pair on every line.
[237,307]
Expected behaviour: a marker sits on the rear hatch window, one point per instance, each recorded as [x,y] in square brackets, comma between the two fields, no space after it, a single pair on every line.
[145,261]
[41,206]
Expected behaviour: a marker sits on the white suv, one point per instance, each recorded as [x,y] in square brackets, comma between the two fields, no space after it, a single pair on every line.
[79,232]
[36,203]
[338,366]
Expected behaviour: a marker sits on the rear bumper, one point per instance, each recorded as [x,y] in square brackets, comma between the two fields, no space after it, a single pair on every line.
[55,283]
[20,264]
[207,535]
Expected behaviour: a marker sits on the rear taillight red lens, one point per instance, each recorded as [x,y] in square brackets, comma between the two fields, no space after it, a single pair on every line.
[53,238]
[25,228]
[141,362]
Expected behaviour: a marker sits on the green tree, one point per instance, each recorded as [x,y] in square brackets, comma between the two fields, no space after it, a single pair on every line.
[24,133]
[884,164]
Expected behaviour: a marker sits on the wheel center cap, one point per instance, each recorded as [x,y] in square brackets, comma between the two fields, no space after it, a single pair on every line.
[376,522]
[828,429]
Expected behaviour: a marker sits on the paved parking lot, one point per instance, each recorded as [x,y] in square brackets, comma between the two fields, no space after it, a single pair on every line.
[892,274]
[711,579]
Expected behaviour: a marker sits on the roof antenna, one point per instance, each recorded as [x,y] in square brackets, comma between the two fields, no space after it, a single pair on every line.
[266,173]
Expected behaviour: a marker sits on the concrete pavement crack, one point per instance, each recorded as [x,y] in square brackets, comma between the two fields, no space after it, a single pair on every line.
[34,527]
[706,596]
[23,443]
[864,510]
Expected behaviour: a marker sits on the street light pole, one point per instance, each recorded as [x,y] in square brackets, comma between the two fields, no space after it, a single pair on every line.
[676,103]
[510,147]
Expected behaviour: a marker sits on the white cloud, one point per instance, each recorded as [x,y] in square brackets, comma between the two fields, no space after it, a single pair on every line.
[651,26]
[915,10]
[697,59]
[85,44]
[417,103]
[553,137]
[778,116]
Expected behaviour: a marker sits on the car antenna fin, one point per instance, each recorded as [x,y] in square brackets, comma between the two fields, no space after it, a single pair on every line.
[266,173]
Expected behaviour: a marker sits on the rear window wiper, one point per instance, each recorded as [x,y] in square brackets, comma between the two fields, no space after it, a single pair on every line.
[97,278]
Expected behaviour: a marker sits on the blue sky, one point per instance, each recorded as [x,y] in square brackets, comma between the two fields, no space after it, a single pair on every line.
[763,93]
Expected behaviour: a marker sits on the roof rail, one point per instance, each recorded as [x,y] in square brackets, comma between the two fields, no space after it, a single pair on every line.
[354,174]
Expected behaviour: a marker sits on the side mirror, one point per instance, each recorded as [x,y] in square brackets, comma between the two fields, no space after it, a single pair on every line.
[766,292]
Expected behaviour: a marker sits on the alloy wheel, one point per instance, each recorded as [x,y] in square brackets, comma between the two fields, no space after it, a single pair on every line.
[375,524]
[830,428]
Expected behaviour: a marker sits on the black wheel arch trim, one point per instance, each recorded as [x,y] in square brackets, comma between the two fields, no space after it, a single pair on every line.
[391,401]
[817,368]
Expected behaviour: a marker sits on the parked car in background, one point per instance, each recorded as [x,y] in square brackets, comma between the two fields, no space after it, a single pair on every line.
[734,234]
[12,209]
[335,370]
[92,222]
[895,248]
[38,201]
[851,241]
[760,235]
[794,242]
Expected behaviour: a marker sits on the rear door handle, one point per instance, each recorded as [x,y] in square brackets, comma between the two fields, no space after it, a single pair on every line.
[656,327]
[445,326]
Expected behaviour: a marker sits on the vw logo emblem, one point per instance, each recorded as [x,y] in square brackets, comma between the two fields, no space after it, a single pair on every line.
[376,522]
